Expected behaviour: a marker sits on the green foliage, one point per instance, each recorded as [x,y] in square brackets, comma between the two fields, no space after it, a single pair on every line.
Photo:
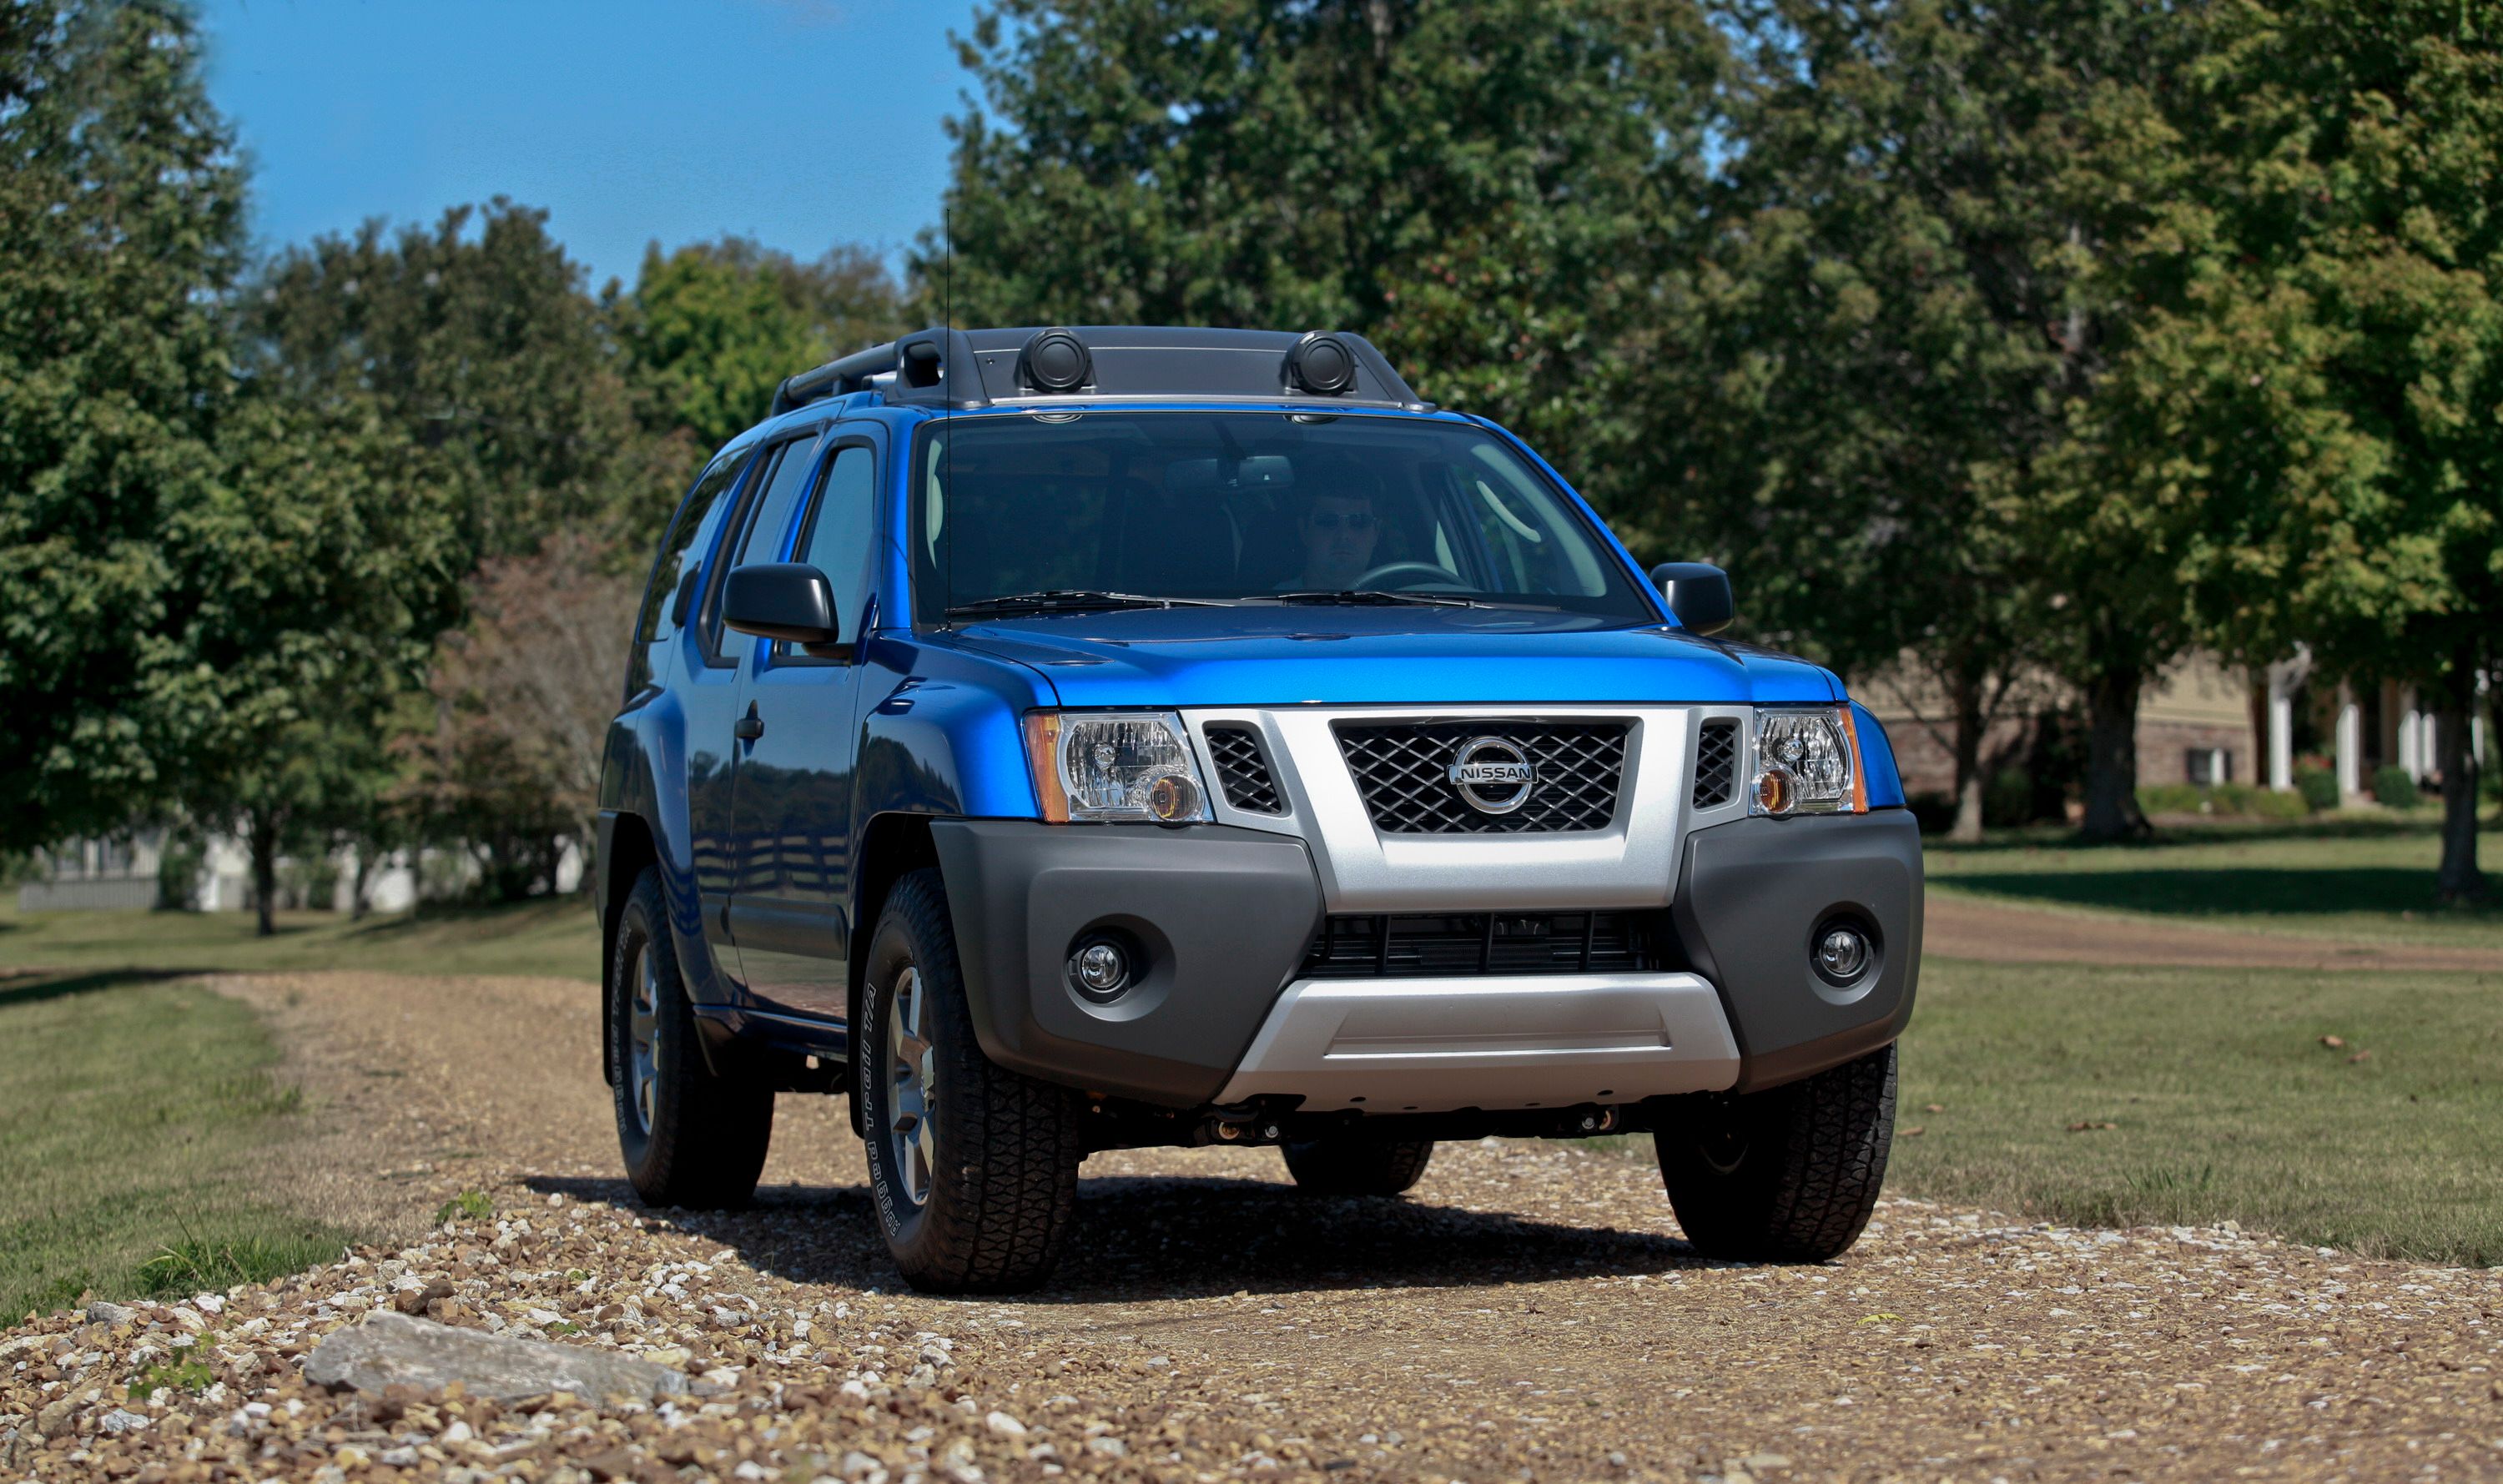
[2226,800]
[1489,191]
[710,330]
[471,1205]
[193,1265]
[2009,799]
[2319,786]
[187,1374]
[476,343]
[2395,789]
[120,208]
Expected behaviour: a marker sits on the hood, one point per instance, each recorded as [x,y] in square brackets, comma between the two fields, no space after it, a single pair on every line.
[1262,656]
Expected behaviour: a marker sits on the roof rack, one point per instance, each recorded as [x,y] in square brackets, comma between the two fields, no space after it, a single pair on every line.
[966,369]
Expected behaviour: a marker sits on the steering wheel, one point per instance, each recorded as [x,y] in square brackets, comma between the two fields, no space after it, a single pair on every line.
[1415,569]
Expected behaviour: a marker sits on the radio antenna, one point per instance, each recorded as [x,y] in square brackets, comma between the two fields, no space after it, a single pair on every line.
[947,400]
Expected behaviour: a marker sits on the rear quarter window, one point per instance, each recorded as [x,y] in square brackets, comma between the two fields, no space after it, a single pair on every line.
[672,589]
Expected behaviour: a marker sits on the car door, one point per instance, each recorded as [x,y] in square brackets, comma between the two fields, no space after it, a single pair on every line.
[712,693]
[793,810]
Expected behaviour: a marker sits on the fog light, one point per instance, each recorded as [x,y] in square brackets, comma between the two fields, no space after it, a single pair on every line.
[1841,954]
[1174,799]
[1101,970]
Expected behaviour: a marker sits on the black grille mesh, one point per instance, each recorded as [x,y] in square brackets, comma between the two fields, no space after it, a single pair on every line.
[1474,943]
[1716,763]
[1403,772]
[1242,771]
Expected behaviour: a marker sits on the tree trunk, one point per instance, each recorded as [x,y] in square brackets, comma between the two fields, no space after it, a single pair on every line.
[361,883]
[2459,880]
[265,872]
[2112,755]
[1967,762]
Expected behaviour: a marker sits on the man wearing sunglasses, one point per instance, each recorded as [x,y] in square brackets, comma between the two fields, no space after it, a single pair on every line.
[1339,529]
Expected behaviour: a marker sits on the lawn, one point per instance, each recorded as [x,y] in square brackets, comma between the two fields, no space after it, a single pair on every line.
[2328,880]
[555,938]
[137,1117]
[2223,1100]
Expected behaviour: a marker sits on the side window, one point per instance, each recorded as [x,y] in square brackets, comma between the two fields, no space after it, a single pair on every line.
[674,570]
[837,541]
[768,516]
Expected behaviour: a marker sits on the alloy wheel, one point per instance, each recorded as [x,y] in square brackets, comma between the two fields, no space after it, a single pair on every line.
[911,1081]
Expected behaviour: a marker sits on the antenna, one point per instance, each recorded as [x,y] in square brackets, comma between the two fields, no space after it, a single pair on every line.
[948,397]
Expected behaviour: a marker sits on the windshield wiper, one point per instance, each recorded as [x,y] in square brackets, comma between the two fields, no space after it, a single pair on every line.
[1357,595]
[1074,600]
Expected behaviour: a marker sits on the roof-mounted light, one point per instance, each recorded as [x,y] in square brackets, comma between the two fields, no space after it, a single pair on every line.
[1322,364]
[1055,360]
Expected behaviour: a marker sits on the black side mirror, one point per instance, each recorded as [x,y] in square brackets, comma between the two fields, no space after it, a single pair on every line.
[1699,594]
[781,600]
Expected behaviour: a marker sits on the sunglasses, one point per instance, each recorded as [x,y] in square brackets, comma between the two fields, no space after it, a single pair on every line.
[1358,522]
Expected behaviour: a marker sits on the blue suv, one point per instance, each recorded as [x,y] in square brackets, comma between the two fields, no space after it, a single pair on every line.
[1102,738]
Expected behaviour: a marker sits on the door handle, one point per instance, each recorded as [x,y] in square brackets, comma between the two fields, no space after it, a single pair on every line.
[749,727]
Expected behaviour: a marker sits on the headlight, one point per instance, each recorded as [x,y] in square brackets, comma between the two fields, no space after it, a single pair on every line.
[1102,768]
[1807,762]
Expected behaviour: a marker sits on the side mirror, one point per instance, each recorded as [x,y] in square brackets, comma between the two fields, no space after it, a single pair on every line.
[781,600]
[1698,592]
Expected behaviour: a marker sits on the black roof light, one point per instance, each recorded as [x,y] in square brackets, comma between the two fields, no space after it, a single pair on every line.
[1323,364]
[1055,360]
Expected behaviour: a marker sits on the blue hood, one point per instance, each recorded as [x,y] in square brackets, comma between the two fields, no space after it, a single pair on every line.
[1262,656]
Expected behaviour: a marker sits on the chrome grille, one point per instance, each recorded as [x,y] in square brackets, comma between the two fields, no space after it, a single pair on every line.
[1403,772]
[1242,770]
[1716,763]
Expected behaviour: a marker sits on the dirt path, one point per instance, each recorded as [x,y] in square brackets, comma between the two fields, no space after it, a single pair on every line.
[1528,1314]
[1959,926]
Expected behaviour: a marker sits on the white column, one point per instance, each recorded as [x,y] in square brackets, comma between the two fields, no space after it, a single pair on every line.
[2350,743]
[2281,728]
[2408,734]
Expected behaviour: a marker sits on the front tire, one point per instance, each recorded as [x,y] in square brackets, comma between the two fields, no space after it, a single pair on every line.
[689,1138]
[1346,1164]
[1785,1175]
[972,1168]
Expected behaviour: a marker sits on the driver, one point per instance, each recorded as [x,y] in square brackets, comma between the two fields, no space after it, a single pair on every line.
[1338,529]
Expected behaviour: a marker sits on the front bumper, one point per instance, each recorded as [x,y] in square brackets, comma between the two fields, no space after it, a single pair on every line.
[1225,915]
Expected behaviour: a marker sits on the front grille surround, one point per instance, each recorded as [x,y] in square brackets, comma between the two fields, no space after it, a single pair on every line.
[1243,768]
[1716,762]
[1401,772]
[1421,945]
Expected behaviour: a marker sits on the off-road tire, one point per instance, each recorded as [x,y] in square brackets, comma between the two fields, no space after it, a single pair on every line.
[1785,1175]
[1003,1192]
[708,1134]
[1344,1165]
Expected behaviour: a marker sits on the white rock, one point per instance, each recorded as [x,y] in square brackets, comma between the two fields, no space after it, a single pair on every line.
[1004,1425]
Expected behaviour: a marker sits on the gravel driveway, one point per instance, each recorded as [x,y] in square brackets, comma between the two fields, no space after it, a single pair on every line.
[1528,1314]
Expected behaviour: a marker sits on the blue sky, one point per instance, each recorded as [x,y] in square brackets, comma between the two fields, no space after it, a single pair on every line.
[799,123]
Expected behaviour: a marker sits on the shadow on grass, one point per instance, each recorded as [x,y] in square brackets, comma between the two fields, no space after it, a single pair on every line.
[32,987]
[1187,1237]
[2258,890]
[2171,834]
[503,921]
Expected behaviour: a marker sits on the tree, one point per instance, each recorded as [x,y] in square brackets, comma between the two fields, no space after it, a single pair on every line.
[2306,422]
[477,342]
[712,328]
[1485,190]
[121,211]
[523,699]
[314,567]
[1887,325]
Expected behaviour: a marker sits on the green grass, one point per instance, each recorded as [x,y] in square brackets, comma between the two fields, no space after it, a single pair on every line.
[135,1117]
[2227,1104]
[2365,881]
[554,938]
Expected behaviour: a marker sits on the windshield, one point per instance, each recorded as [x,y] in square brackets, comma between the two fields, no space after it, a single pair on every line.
[1066,509]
